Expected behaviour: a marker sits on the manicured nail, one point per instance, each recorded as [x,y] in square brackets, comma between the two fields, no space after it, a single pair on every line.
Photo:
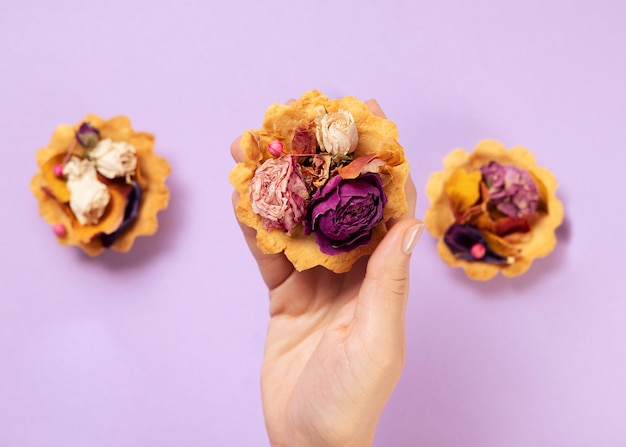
[411,236]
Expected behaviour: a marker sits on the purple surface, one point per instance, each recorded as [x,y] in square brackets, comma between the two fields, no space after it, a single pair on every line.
[162,346]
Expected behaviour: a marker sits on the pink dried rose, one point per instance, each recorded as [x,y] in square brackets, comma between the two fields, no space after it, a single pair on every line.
[278,193]
[511,189]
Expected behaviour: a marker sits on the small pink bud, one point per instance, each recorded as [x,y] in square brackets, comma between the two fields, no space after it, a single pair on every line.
[57,170]
[275,148]
[59,229]
[478,251]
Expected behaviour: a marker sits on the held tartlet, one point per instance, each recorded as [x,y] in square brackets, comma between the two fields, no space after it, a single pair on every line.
[320,180]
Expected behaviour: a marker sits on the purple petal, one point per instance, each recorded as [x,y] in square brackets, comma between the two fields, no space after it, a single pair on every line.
[130,214]
[461,238]
[344,212]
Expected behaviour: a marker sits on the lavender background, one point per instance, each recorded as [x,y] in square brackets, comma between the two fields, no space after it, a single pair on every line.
[162,346]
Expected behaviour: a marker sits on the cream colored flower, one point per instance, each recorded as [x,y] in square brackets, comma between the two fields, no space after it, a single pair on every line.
[336,132]
[88,196]
[114,159]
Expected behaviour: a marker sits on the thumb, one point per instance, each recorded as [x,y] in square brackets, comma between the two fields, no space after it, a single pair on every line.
[383,296]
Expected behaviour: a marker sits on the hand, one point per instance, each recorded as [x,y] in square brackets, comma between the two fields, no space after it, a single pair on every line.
[335,343]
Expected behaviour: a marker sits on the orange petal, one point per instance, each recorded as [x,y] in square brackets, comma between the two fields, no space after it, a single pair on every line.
[110,221]
[354,168]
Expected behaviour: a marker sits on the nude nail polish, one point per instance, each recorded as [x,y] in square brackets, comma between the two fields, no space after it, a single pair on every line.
[411,236]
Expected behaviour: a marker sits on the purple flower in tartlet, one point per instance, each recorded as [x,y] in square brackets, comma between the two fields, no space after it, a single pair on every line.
[130,215]
[343,213]
[87,135]
[511,189]
[468,243]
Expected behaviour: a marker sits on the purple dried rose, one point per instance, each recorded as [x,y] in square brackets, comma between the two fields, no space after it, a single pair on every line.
[87,135]
[278,193]
[511,189]
[468,243]
[343,213]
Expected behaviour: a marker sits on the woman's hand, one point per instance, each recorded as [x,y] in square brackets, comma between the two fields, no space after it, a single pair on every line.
[336,342]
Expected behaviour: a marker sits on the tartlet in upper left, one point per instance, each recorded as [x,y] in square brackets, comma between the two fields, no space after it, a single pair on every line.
[100,184]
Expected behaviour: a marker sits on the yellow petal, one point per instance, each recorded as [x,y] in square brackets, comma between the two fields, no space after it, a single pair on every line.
[109,222]
[463,189]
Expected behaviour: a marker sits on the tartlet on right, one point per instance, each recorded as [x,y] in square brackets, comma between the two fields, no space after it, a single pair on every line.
[493,210]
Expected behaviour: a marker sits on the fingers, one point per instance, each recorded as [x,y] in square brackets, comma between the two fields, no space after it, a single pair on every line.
[383,296]
[274,268]
[236,151]
[411,196]
[409,187]
[375,108]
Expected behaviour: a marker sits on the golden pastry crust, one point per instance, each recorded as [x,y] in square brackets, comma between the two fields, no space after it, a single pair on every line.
[52,194]
[375,136]
[539,242]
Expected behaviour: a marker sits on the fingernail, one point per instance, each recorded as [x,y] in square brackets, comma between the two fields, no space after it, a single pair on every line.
[411,236]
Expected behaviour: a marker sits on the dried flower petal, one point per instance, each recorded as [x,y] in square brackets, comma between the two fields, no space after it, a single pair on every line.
[88,196]
[114,159]
[463,189]
[318,171]
[304,141]
[278,193]
[511,189]
[356,167]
